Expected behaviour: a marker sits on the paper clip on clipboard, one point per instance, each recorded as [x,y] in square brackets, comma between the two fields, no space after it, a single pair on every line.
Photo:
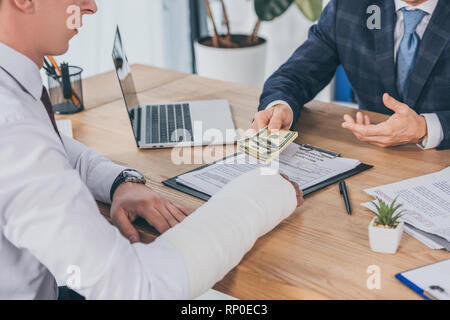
[326,153]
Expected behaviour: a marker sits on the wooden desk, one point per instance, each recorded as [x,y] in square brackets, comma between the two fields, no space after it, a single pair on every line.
[319,252]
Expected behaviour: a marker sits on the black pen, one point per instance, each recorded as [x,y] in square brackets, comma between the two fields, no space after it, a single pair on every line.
[343,191]
[49,67]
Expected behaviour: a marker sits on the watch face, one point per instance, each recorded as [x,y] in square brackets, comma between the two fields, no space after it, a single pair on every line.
[133,174]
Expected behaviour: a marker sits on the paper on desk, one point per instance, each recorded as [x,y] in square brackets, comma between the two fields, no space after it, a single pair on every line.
[432,278]
[430,240]
[426,201]
[440,242]
[307,168]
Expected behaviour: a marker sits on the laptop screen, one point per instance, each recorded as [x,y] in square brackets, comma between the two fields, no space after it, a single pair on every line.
[127,84]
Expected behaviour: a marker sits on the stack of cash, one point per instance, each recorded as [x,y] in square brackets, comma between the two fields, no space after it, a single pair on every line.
[265,145]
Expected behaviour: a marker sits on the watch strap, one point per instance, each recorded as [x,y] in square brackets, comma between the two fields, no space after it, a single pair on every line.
[121,178]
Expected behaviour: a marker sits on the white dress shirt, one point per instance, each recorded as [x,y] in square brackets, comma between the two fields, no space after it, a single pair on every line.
[49,220]
[435,133]
[51,231]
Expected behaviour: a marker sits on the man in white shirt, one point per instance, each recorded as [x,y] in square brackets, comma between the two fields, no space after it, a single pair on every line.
[50,228]
[394,53]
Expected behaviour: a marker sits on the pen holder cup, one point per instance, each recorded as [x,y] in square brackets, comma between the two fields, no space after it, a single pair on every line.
[65,103]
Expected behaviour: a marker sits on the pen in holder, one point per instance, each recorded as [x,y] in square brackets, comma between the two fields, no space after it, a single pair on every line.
[65,89]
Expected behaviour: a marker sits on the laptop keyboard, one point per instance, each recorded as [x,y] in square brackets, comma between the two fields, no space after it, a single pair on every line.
[168,123]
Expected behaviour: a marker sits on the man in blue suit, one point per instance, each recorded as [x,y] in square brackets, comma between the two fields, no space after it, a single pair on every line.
[400,67]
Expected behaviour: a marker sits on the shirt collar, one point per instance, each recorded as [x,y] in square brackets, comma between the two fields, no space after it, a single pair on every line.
[22,69]
[428,6]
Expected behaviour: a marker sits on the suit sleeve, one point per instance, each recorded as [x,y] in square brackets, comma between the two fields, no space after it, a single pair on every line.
[444,118]
[97,172]
[309,69]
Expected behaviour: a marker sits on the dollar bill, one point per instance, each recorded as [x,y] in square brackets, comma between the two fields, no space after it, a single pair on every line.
[266,145]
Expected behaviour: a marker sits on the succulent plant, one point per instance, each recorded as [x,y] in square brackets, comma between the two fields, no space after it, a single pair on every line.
[387,215]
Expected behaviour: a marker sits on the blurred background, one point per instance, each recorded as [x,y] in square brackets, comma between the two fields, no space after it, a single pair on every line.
[164,33]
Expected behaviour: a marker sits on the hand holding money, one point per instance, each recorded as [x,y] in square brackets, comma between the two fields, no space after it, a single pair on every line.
[277,117]
[266,145]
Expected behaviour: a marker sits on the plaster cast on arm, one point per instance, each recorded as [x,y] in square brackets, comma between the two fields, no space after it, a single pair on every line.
[214,239]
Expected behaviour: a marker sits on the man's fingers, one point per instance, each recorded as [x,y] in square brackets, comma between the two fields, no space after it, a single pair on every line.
[185,211]
[261,121]
[348,120]
[393,104]
[359,118]
[276,118]
[300,199]
[367,121]
[379,140]
[298,192]
[126,228]
[369,130]
[258,124]
[156,219]
[168,216]
[276,122]
[175,212]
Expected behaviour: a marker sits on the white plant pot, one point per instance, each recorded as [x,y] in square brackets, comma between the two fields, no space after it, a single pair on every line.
[385,240]
[240,65]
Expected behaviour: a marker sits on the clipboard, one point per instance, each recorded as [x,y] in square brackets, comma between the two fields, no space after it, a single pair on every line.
[172,182]
[426,293]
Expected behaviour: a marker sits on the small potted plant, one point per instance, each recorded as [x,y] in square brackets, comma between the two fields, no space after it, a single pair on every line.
[386,229]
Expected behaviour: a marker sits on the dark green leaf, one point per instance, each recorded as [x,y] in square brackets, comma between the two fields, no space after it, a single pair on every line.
[268,10]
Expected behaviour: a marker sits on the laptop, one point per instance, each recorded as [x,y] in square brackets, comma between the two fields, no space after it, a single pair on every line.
[172,124]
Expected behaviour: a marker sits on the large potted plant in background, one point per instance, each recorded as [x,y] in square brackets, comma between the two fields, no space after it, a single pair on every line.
[242,58]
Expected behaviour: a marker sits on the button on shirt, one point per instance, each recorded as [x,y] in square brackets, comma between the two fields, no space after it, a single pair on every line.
[435,133]
[51,231]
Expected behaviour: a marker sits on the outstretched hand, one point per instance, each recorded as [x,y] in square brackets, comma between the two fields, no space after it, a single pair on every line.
[403,127]
[278,117]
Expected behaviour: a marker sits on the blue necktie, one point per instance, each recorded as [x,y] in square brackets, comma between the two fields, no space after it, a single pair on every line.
[408,50]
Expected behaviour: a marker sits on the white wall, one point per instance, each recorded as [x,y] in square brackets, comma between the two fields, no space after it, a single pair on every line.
[155,32]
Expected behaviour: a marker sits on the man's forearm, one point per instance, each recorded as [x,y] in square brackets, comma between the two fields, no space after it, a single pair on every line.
[308,70]
[97,172]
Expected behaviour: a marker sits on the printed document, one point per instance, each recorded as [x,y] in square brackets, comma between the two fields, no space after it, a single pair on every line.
[304,166]
[426,201]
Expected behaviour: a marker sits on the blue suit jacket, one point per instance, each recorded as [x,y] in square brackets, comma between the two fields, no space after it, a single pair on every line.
[342,37]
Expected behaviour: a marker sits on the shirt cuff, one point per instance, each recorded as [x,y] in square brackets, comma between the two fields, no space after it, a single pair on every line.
[277,102]
[435,134]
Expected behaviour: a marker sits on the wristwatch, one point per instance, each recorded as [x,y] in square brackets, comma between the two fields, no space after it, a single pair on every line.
[128,175]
